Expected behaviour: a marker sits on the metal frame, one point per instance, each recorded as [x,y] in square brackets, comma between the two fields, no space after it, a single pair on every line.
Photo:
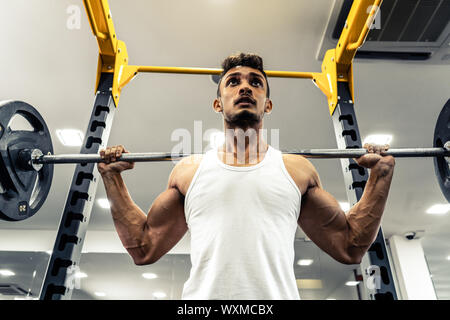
[336,66]
[61,275]
[34,159]
[113,73]
[355,178]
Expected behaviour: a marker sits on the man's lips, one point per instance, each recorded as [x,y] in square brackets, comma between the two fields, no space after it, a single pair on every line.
[243,104]
[245,100]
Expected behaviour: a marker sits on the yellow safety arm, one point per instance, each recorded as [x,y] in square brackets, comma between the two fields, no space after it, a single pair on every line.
[336,66]
[102,26]
[356,28]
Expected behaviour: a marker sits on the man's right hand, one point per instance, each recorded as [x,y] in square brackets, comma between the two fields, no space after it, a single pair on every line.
[111,165]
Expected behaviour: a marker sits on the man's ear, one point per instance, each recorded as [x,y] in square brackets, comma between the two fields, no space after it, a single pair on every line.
[217,105]
[268,106]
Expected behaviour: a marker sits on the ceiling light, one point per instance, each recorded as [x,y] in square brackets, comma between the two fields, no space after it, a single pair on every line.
[378,139]
[80,275]
[330,299]
[448,258]
[103,203]
[100,294]
[439,209]
[309,284]
[149,275]
[305,262]
[70,137]
[6,273]
[344,206]
[352,283]
[159,294]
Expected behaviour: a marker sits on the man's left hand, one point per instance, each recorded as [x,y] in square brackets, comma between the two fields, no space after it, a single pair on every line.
[375,158]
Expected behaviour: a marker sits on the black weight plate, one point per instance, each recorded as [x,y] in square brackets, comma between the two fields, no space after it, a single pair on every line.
[22,191]
[441,136]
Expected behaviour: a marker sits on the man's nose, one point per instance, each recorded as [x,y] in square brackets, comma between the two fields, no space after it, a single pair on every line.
[245,89]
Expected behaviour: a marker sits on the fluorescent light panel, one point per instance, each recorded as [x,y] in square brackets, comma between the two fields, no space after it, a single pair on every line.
[352,283]
[344,206]
[70,137]
[309,284]
[103,203]
[150,275]
[378,139]
[439,209]
[305,262]
[6,273]
[159,294]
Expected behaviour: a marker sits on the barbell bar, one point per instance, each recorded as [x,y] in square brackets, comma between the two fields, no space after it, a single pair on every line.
[27,159]
[35,157]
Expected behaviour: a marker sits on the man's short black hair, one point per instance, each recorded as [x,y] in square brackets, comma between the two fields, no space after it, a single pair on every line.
[244,60]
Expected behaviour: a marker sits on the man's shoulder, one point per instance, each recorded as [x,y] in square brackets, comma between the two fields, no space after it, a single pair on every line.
[187,164]
[301,170]
[297,160]
[184,171]
[190,161]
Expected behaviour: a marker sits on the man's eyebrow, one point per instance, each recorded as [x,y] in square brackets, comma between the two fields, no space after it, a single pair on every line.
[233,74]
[256,75]
[239,73]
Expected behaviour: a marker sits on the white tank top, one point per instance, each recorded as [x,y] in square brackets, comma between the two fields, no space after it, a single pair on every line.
[242,222]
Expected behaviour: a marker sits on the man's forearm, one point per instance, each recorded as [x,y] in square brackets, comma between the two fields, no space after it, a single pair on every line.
[129,220]
[364,218]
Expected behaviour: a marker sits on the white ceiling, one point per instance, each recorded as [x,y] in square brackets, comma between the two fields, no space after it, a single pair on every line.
[53,68]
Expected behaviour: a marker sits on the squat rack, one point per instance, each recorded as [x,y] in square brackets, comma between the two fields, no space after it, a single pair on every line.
[336,67]
[113,73]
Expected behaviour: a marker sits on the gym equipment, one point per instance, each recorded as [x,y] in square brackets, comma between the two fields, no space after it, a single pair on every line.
[442,139]
[35,158]
[26,167]
[22,191]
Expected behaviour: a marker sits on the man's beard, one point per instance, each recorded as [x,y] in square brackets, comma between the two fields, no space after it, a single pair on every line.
[244,120]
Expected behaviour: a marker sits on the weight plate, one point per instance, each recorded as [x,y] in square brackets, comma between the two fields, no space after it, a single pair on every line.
[22,190]
[441,137]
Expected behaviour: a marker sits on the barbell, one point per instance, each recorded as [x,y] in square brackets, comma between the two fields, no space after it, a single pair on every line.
[27,159]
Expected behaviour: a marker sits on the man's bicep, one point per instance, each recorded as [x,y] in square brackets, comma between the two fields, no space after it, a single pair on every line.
[168,208]
[166,222]
[317,204]
[324,222]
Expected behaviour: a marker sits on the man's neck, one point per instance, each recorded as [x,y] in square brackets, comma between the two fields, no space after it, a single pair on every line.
[243,147]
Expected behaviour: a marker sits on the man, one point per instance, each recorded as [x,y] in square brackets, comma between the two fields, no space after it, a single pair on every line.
[243,201]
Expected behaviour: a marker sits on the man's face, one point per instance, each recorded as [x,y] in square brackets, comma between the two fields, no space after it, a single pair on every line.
[243,99]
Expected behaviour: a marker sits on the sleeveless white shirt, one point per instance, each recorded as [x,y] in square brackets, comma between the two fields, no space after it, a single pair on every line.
[242,222]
